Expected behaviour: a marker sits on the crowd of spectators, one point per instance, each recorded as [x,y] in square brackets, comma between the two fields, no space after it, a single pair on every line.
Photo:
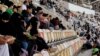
[19,28]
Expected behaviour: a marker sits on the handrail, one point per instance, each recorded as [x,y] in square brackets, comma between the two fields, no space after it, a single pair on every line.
[62,41]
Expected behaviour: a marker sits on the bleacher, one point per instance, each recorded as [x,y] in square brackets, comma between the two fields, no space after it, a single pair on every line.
[66,42]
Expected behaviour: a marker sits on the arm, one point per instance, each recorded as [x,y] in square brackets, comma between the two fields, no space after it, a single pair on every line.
[28,24]
[10,39]
[2,40]
[28,28]
[6,39]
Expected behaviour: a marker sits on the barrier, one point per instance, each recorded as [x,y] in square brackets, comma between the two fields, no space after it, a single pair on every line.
[55,35]
[65,49]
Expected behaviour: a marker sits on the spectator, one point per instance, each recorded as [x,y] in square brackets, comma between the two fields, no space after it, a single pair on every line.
[50,25]
[43,2]
[50,3]
[38,41]
[10,8]
[33,7]
[61,26]
[18,29]
[28,14]
[19,10]
[4,22]
[4,51]
[6,30]
[15,9]
[4,2]
[39,10]
[55,22]
[34,22]
[43,21]
[24,6]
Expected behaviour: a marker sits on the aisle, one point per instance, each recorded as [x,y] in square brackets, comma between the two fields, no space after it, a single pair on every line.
[85,53]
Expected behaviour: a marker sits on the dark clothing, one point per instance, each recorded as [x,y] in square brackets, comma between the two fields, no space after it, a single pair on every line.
[62,27]
[18,26]
[44,25]
[17,31]
[5,2]
[5,28]
[34,23]
[25,15]
[39,42]
[88,36]
[43,2]
[33,8]
[15,48]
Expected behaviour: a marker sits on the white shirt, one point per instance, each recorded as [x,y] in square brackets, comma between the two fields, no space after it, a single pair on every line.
[24,7]
[4,51]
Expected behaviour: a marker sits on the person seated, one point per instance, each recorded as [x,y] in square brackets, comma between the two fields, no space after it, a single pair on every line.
[24,6]
[56,23]
[36,39]
[44,23]
[18,29]
[27,14]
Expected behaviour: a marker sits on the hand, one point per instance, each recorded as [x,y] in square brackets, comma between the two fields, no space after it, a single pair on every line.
[26,33]
[2,40]
[10,39]
[11,42]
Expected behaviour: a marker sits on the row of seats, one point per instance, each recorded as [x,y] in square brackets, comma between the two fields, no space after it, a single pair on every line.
[65,49]
[68,48]
[55,35]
